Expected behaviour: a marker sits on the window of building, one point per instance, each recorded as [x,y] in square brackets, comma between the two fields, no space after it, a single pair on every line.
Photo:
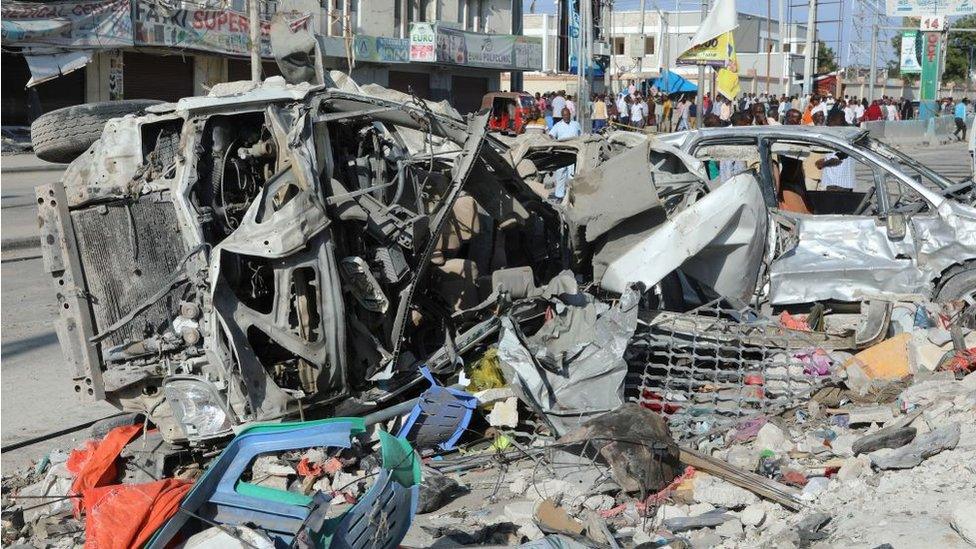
[618,45]
[648,45]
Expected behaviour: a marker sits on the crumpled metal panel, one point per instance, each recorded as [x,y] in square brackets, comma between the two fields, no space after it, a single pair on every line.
[725,233]
[573,369]
[711,368]
[850,258]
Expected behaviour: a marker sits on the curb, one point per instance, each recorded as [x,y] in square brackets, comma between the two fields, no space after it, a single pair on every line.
[28,169]
[21,243]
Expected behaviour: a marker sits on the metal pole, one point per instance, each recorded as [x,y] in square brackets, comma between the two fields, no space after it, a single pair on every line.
[769,41]
[782,47]
[699,97]
[254,25]
[808,53]
[516,82]
[873,74]
[665,49]
[583,64]
[643,9]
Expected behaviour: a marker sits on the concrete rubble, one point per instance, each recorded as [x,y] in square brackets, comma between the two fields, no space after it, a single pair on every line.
[490,367]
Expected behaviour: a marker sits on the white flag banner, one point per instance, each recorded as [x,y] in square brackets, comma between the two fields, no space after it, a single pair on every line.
[722,19]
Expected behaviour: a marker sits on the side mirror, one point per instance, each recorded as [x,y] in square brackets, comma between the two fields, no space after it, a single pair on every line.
[896,226]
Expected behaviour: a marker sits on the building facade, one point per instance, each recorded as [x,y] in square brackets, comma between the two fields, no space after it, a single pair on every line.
[766,63]
[145,49]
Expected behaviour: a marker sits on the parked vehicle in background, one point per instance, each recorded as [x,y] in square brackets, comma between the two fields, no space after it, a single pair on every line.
[510,111]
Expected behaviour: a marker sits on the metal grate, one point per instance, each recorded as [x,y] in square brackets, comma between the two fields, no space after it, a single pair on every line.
[715,366]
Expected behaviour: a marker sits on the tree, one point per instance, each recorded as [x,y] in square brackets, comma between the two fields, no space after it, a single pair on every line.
[826,58]
[962,49]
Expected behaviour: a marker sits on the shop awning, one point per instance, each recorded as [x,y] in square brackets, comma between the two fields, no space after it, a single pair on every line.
[49,64]
[672,82]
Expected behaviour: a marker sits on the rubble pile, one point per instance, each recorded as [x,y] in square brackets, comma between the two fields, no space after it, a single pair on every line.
[363,322]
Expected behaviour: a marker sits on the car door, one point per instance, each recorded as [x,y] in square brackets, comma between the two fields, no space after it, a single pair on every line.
[847,248]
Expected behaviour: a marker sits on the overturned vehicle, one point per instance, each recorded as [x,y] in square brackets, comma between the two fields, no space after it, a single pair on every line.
[270,248]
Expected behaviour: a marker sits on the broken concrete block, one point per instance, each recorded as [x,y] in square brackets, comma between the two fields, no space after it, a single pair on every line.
[753,515]
[731,529]
[709,489]
[889,437]
[504,414]
[771,437]
[666,511]
[854,468]
[870,414]
[923,447]
[705,520]
[963,521]
[813,487]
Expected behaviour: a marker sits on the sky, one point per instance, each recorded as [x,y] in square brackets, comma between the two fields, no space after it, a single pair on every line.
[828,31]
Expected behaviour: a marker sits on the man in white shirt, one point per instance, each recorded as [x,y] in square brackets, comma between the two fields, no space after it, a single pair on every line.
[637,114]
[567,128]
[558,103]
[837,169]
[571,106]
[850,114]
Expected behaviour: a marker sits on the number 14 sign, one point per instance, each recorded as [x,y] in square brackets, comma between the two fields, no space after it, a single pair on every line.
[932,23]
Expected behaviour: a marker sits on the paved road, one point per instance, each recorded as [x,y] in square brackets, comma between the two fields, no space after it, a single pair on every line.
[37,395]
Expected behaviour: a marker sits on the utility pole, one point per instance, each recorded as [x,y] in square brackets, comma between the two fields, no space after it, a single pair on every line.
[699,97]
[583,74]
[769,41]
[808,53]
[873,74]
[640,63]
[784,61]
[516,82]
[254,25]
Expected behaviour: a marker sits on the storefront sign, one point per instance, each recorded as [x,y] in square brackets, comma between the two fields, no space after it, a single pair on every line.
[909,53]
[380,49]
[422,42]
[927,8]
[456,47]
[68,24]
[192,29]
[931,55]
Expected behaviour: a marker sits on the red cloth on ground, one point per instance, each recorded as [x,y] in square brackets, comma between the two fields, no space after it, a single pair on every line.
[94,465]
[127,515]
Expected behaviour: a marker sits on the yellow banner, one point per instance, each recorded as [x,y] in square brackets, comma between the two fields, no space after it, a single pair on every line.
[727,83]
[717,52]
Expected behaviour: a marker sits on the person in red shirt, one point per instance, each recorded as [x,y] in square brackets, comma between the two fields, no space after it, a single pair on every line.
[873,112]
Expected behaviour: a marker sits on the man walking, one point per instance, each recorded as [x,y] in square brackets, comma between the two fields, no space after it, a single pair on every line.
[567,128]
[960,114]
[599,113]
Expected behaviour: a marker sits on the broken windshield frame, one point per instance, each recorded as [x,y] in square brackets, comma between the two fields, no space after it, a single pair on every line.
[903,161]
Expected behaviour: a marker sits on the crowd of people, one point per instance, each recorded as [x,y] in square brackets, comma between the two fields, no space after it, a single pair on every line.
[632,109]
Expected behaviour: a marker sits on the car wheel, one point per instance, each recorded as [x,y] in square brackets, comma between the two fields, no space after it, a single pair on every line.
[961,286]
[62,135]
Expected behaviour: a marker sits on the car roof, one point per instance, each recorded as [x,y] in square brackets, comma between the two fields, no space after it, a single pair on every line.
[843,133]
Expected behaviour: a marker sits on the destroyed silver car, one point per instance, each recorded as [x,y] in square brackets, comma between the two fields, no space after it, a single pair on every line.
[904,232]
[272,247]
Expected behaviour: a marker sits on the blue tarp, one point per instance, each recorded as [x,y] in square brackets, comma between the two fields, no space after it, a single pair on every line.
[674,84]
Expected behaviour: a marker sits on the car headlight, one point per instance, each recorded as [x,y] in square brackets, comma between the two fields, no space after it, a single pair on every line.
[197,407]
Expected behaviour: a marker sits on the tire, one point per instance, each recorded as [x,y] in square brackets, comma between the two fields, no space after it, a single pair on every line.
[102,427]
[961,286]
[61,136]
